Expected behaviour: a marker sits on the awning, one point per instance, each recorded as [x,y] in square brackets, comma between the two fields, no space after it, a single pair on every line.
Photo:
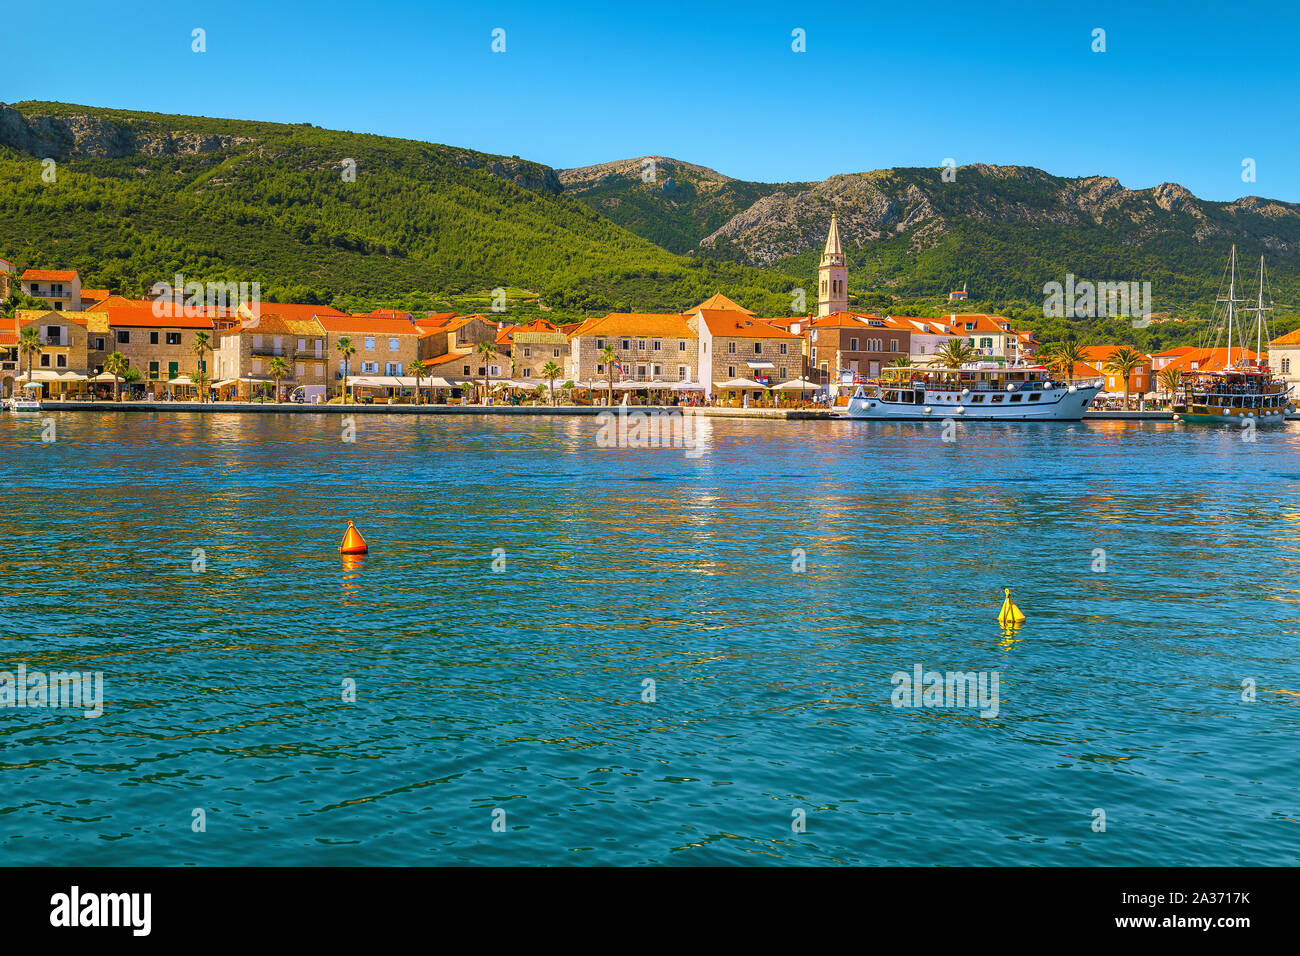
[760,365]
[182,380]
[687,387]
[798,385]
[50,375]
[738,383]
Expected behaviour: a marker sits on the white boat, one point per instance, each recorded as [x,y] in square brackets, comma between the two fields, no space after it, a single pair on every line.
[23,405]
[980,391]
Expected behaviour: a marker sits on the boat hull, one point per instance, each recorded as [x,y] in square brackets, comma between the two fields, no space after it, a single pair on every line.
[1053,405]
[1231,416]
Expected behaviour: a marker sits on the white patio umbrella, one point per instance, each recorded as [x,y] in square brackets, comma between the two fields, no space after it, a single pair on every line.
[797,385]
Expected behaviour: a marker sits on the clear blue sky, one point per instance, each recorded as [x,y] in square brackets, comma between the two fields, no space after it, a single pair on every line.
[1184,91]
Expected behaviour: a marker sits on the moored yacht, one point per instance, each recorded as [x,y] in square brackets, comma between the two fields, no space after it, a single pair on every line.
[983,391]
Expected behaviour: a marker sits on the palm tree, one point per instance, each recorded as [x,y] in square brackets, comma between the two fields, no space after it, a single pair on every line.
[1124,363]
[200,380]
[609,357]
[902,362]
[1170,379]
[954,353]
[347,350]
[116,365]
[552,371]
[1066,356]
[29,344]
[202,342]
[417,368]
[488,350]
[279,368]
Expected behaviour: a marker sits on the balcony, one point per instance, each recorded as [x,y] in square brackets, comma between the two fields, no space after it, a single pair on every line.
[282,351]
[54,340]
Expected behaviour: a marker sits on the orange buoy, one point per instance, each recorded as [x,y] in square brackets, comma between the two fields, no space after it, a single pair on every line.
[353,543]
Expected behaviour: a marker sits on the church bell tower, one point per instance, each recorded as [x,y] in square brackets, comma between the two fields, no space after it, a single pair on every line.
[833,275]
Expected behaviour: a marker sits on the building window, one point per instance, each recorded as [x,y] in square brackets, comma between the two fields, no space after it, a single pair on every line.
[153,369]
[657,345]
[370,344]
[600,344]
[123,337]
[302,345]
[1286,366]
[783,348]
[853,345]
[299,369]
[527,352]
[627,344]
[781,372]
[394,345]
[99,345]
[173,338]
[682,372]
[61,360]
[555,353]
[731,348]
[758,348]
[731,371]
[893,345]
[528,373]
[600,370]
[466,369]
[173,369]
[153,338]
[681,346]
[45,361]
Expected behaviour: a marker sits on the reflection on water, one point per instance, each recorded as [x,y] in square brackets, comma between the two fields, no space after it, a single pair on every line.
[525,688]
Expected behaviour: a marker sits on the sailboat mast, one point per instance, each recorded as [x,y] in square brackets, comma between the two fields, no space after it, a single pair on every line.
[1259,314]
[1232,285]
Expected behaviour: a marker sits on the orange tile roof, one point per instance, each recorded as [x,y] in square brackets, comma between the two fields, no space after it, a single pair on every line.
[506,334]
[720,303]
[1291,338]
[449,357]
[8,338]
[388,314]
[270,323]
[1211,360]
[49,275]
[730,322]
[95,295]
[436,322]
[144,317]
[669,325]
[363,324]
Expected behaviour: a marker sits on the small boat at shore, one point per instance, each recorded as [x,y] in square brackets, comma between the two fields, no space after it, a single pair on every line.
[980,391]
[1246,390]
[23,405]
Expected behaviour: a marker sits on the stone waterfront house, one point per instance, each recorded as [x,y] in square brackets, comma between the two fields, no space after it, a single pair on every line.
[649,347]
[733,345]
[248,349]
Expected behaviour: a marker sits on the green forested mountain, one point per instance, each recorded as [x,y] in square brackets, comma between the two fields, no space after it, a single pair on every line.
[1004,231]
[131,198]
[138,197]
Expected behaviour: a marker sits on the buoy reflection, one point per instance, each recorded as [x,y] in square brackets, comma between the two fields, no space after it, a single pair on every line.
[352,567]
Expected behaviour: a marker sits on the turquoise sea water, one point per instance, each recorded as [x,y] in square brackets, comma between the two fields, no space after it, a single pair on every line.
[521,690]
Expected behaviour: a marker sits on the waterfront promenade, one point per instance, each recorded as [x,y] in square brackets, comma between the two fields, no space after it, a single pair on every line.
[295,408]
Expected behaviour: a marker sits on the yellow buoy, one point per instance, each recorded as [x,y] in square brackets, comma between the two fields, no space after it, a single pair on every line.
[1010,614]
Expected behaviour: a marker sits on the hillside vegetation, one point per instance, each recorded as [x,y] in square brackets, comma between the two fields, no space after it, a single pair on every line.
[138,197]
